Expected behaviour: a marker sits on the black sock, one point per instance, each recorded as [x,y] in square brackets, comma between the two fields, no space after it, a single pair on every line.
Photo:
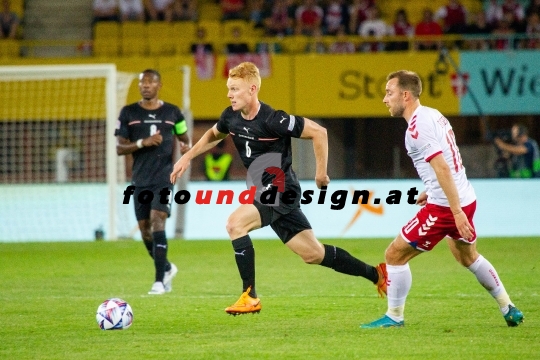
[343,262]
[160,253]
[150,247]
[244,254]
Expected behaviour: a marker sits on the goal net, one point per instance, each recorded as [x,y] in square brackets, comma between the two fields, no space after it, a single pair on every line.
[59,172]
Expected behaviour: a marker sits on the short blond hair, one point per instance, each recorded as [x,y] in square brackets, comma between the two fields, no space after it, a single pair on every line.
[247,71]
[407,80]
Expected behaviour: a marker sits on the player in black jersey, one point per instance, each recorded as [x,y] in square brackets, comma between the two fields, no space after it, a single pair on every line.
[147,129]
[259,132]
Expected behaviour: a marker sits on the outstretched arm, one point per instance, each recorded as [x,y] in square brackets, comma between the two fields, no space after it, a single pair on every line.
[207,141]
[444,176]
[512,149]
[318,135]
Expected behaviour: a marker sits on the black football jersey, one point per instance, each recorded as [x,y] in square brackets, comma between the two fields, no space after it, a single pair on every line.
[151,165]
[269,132]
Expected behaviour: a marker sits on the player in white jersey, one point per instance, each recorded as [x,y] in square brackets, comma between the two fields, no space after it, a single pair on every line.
[448,204]
[429,134]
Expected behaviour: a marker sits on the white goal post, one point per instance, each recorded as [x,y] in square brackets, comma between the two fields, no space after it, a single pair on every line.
[182,183]
[58,149]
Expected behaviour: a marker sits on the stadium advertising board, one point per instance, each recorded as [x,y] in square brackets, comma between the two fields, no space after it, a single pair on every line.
[500,209]
[504,83]
[335,85]
[354,85]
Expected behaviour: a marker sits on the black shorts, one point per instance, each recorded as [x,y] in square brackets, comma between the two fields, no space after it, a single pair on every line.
[286,226]
[143,207]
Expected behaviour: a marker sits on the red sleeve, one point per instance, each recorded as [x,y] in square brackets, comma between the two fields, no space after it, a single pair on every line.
[428,159]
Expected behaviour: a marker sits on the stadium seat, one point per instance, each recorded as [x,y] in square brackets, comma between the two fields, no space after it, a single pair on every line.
[159,30]
[106,47]
[210,11]
[161,39]
[229,26]
[214,31]
[184,29]
[134,29]
[106,30]
[17,6]
[132,46]
[415,11]
[182,46]
[252,41]
[255,31]
[473,6]
[9,48]
[164,47]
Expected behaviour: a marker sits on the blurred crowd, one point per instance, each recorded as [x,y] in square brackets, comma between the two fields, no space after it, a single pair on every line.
[145,10]
[354,25]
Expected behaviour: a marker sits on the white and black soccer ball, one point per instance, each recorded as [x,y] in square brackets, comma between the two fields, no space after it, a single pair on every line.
[114,314]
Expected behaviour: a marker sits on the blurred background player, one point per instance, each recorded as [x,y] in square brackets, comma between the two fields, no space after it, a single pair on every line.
[131,10]
[147,130]
[159,10]
[448,204]
[309,17]
[217,163]
[9,21]
[524,155]
[259,131]
[105,10]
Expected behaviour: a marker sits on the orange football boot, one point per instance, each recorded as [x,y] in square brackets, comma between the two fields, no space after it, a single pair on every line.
[246,304]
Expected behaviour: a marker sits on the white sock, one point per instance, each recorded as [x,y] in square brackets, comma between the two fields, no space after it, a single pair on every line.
[399,284]
[487,277]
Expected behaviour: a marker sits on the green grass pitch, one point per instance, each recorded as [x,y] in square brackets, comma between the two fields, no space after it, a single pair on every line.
[49,293]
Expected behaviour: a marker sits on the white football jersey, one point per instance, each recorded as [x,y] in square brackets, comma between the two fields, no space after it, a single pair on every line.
[428,134]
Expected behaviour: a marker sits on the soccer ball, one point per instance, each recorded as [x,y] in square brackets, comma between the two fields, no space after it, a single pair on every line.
[114,314]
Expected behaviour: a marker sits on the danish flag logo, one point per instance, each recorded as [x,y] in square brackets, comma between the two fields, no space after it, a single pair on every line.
[459,83]
[412,128]
[430,221]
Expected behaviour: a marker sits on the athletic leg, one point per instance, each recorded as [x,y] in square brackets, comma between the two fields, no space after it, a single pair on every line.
[306,245]
[160,248]
[397,257]
[240,223]
[467,255]
[145,219]
[146,234]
